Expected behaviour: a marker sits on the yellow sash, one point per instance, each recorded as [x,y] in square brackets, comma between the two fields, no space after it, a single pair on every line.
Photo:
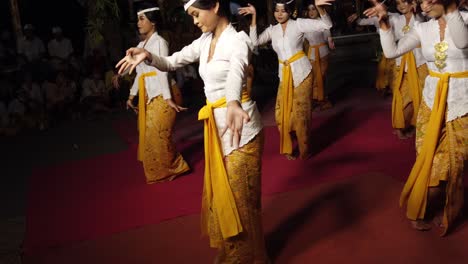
[287,102]
[317,69]
[415,190]
[398,118]
[216,189]
[142,113]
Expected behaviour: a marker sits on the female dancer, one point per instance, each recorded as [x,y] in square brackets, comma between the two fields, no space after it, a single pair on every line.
[385,67]
[319,43]
[293,104]
[231,203]
[409,74]
[435,184]
[156,107]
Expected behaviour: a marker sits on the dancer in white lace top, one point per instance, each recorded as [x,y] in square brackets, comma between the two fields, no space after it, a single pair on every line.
[442,125]
[293,104]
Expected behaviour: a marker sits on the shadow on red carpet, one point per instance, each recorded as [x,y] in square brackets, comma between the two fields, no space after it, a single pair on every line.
[87,199]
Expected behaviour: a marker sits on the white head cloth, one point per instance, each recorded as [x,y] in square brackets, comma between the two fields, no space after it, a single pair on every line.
[188,4]
[141,12]
[287,3]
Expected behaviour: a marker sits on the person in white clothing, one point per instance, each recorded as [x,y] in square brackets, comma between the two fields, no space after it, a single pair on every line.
[159,101]
[31,47]
[385,67]
[231,206]
[318,45]
[60,49]
[409,73]
[435,184]
[293,104]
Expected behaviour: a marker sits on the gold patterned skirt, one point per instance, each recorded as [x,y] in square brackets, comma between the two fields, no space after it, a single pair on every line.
[161,160]
[448,164]
[301,114]
[409,112]
[384,73]
[244,169]
[318,92]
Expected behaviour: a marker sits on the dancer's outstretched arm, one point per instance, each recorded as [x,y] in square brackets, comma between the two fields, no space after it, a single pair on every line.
[265,37]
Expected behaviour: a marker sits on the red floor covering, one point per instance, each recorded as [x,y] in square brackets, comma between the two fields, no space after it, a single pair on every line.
[350,220]
[89,199]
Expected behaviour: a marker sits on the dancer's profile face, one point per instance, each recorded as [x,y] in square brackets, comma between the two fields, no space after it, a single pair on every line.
[144,25]
[312,12]
[281,15]
[205,20]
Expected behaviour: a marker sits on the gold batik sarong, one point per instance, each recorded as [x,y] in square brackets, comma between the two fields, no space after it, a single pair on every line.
[243,167]
[301,115]
[161,161]
[407,92]
[442,150]
[385,71]
[448,163]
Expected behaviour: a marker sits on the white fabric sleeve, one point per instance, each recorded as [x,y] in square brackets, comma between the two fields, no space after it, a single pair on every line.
[189,54]
[371,21]
[237,69]
[264,38]
[165,85]
[391,50]
[307,25]
[464,15]
[458,29]
[326,34]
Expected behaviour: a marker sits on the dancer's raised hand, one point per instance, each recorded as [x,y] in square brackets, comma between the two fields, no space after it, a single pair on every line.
[324,2]
[379,10]
[134,56]
[248,10]
[352,18]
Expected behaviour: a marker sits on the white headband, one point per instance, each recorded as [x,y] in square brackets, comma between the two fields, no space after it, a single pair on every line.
[287,3]
[188,4]
[147,10]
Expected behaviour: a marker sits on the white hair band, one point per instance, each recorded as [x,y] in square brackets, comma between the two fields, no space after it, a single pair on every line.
[147,10]
[287,3]
[188,4]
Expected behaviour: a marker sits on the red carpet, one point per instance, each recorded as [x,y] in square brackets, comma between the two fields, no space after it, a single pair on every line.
[351,220]
[88,199]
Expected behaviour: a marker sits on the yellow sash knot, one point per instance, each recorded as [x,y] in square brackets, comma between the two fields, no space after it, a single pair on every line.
[217,193]
[287,93]
[142,113]
[415,190]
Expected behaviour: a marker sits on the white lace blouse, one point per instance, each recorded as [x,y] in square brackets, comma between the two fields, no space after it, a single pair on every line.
[318,37]
[427,35]
[289,42]
[224,76]
[154,85]
[398,23]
